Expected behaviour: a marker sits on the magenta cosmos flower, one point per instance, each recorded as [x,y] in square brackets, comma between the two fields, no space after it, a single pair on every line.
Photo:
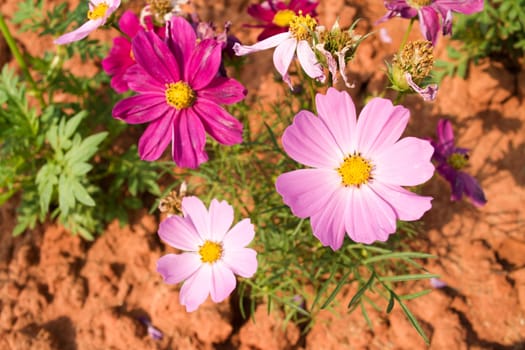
[429,13]
[450,160]
[297,38]
[356,169]
[99,12]
[120,57]
[278,14]
[179,95]
[213,252]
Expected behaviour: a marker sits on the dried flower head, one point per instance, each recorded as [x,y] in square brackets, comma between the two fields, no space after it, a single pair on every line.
[162,10]
[172,203]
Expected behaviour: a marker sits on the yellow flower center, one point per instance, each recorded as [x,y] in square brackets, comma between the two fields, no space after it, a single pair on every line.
[419,3]
[98,11]
[355,170]
[283,18]
[302,27]
[210,252]
[179,95]
[458,161]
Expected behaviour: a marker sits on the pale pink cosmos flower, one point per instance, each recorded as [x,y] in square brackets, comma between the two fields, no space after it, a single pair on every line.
[99,12]
[213,252]
[297,39]
[357,169]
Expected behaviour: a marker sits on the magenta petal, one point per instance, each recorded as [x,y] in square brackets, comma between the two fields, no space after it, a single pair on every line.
[464,6]
[307,191]
[155,57]
[156,137]
[80,33]
[203,64]
[196,288]
[223,91]
[380,125]
[243,262]
[309,141]
[140,81]
[141,109]
[408,206]
[445,137]
[406,163]
[129,23]
[180,233]
[189,139]
[239,236]
[218,123]
[328,224]
[337,110]
[181,38]
[223,282]
[429,23]
[176,268]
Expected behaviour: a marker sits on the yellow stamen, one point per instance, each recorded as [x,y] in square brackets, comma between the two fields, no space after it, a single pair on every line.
[210,252]
[419,3]
[355,170]
[458,161]
[301,27]
[179,95]
[98,11]
[283,18]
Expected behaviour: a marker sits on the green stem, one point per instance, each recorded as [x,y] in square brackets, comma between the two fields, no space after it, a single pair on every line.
[405,37]
[115,25]
[20,59]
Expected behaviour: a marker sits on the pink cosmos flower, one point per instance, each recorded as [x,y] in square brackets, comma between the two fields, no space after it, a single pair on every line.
[429,12]
[278,14]
[120,57]
[213,252]
[99,12]
[357,169]
[179,95]
[297,38]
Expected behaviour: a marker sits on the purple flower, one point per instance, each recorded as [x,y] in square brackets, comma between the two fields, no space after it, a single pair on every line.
[120,57]
[179,95]
[278,14]
[153,331]
[429,13]
[98,14]
[450,159]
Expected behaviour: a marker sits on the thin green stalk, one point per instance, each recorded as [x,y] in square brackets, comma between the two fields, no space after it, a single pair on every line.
[20,59]
[407,33]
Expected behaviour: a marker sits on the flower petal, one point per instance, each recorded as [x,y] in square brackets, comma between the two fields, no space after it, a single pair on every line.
[406,163]
[473,189]
[307,191]
[129,23]
[310,141]
[407,205]
[140,81]
[223,282]
[223,91]
[141,109]
[243,262]
[429,23]
[221,125]
[273,41]
[79,33]
[309,62]
[380,125]
[156,137]
[155,57]
[175,268]
[445,136]
[203,64]
[220,219]
[337,110]
[371,218]
[189,139]
[239,236]
[196,288]
[180,233]
[328,224]
[181,38]
[282,58]
[195,210]
[464,6]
